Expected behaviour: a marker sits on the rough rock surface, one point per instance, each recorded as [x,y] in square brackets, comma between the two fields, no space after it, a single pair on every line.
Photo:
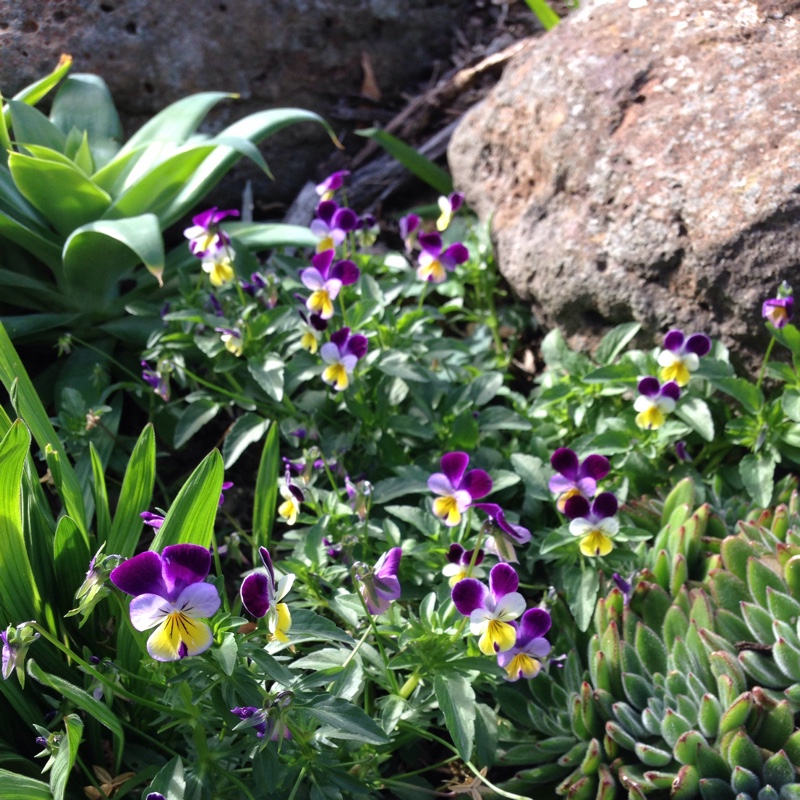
[642,161]
[274,53]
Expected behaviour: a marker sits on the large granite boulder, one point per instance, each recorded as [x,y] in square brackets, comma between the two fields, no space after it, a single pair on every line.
[642,162]
[274,53]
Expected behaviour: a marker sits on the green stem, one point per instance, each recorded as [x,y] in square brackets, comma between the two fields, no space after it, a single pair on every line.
[411,683]
[137,378]
[296,786]
[764,364]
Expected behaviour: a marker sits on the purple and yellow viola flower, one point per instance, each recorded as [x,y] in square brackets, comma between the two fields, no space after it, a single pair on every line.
[456,487]
[325,279]
[595,524]
[505,534]
[434,263]
[458,561]
[524,659]
[328,188]
[778,311]
[447,207]
[262,594]
[170,594]
[654,402]
[157,379]
[332,224]
[341,354]
[491,610]
[380,585]
[232,339]
[681,355]
[576,477]
[204,234]
[292,498]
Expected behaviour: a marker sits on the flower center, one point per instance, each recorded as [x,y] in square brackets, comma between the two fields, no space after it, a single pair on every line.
[498,637]
[336,376]
[596,543]
[320,303]
[523,666]
[651,418]
[446,508]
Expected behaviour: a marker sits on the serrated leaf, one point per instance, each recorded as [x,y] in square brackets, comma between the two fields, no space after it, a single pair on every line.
[757,473]
[456,698]
[345,720]
[697,415]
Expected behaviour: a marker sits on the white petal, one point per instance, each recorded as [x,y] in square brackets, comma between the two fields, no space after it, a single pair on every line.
[147,610]
[511,606]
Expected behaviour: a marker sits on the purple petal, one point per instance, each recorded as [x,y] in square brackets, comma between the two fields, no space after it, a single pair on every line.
[558,484]
[182,565]
[439,483]
[345,271]
[699,344]
[312,278]
[502,580]
[388,564]
[477,483]
[454,466]
[408,225]
[456,200]
[566,462]
[455,254]
[357,346]
[674,341]
[148,610]
[576,507]
[534,624]
[322,261]
[595,467]
[199,600]
[255,594]
[345,219]
[340,337]
[265,558]
[672,390]
[649,386]
[326,209]
[430,242]
[469,594]
[140,575]
[605,505]
[467,557]
[454,555]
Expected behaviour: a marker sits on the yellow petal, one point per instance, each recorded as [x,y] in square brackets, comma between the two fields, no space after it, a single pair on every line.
[497,638]
[650,419]
[288,511]
[596,543]
[433,272]
[446,508]
[281,622]
[326,244]
[309,342]
[320,303]
[336,376]
[176,629]
[522,663]
[677,372]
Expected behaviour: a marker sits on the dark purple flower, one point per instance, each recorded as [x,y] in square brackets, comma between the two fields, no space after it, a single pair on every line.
[333,224]
[448,206]
[341,354]
[332,184]
[681,355]
[158,379]
[681,452]
[655,402]
[225,486]
[778,311]
[574,476]
[153,520]
[261,595]
[459,560]
[169,591]
[524,659]
[596,525]
[409,226]
[434,264]
[204,235]
[456,487]
[516,533]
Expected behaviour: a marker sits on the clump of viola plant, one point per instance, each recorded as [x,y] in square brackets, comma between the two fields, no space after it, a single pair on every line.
[407,608]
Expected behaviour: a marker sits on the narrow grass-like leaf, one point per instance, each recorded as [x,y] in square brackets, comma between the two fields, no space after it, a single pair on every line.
[43,247]
[257,236]
[135,496]
[194,416]
[71,557]
[249,428]
[346,720]
[64,759]
[20,787]
[18,590]
[544,13]
[456,698]
[102,512]
[412,160]
[190,519]
[266,493]
[84,701]
[96,255]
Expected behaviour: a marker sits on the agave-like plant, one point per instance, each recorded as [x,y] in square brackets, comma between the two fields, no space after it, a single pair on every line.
[693,678]
[81,211]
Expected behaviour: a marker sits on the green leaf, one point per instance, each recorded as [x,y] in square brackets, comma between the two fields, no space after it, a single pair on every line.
[100,494]
[456,698]
[98,254]
[258,236]
[71,557]
[535,475]
[30,126]
[544,13]
[268,374]
[757,472]
[748,394]
[64,759]
[266,491]
[790,402]
[412,160]
[615,341]
[135,496]
[34,92]
[20,787]
[170,780]
[581,587]
[83,102]
[345,720]
[194,416]
[695,413]
[190,519]
[247,430]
